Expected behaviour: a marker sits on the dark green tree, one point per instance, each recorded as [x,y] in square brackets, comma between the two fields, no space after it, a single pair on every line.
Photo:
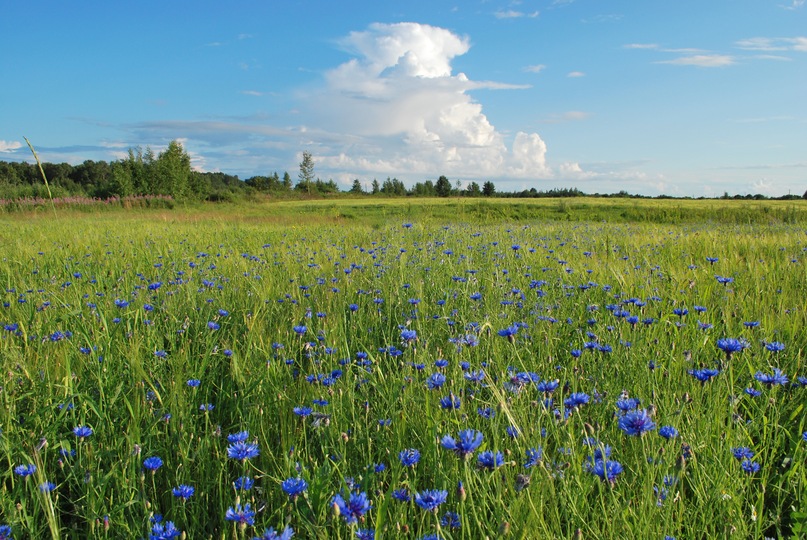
[306,175]
[376,187]
[442,187]
[172,172]
[357,187]
[488,189]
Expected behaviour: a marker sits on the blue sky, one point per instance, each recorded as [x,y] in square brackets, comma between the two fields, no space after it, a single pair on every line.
[683,98]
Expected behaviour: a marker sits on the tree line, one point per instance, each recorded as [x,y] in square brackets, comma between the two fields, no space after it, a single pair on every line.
[169,173]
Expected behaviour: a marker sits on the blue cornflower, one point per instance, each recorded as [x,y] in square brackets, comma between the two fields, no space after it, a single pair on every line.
[431,499]
[450,520]
[213,325]
[409,457]
[753,392]
[533,457]
[606,469]
[703,375]
[627,404]
[465,445]
[152,463]
[547,387]
[294,487]
[270,534]
[365,534]
[240,436]
[749,466]
[193,383]
[450,402]
[435,381]
[731,345]
[489,460]
[402,495]
[45,487]
[244,483]
[409,335]
[183,491]
[5,533]
[299,330]
[242,515]
[513,432]
[160,354]
[303,411]
[775,346]
[636,422]
[576,399]
[742,452]
[774,379]
[82,431]
[354,508]
[668,432]
[509,332]
[206,407]
[487,413]
[242,451]
[160,531]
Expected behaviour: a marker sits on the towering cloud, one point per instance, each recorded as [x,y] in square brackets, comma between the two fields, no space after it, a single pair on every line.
[398,108]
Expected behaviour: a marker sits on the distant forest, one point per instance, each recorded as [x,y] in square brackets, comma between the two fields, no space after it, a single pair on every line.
[169,174]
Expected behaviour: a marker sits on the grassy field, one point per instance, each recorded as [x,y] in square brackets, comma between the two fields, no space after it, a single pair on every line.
[406,369]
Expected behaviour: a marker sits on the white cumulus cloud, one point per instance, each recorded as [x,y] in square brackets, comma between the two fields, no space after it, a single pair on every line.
[401,110]
[9,146]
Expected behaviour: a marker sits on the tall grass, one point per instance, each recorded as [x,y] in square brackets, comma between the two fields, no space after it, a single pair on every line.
[106,320]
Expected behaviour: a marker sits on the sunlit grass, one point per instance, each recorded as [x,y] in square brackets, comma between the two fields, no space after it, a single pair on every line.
[235,282]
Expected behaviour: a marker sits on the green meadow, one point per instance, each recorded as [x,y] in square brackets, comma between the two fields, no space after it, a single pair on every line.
[396,368]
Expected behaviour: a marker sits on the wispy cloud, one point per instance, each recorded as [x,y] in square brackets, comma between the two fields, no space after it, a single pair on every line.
[9,146]
[640,46]
[795,4]
[252,93]
[568,116]
[536,68]
[512,14]
[773,44]
[603,18]
[702,60]
[575,74]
